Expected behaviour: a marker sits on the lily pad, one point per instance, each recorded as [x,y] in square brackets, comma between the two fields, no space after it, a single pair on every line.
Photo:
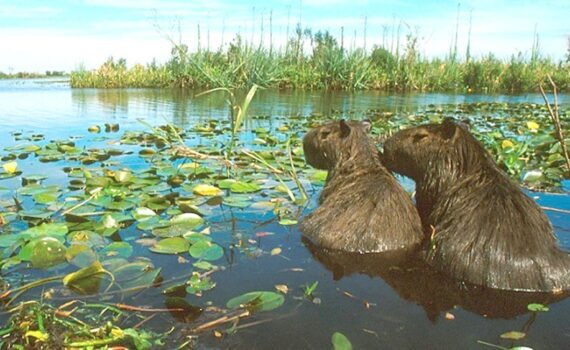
[47,252]
[206,250]
[340,342]
[257,301]
[207,190]
[244,187]
[171,245]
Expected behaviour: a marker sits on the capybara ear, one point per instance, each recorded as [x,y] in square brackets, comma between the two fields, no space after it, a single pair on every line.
[344,129]
[367,125]
[448,129]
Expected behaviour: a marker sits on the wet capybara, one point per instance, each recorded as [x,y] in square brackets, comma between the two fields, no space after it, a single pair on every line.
[482,227]
[362,206]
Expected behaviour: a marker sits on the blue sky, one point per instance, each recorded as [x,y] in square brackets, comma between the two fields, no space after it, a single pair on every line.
[39,35]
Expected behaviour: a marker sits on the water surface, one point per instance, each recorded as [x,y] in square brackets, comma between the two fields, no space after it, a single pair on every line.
[374,305]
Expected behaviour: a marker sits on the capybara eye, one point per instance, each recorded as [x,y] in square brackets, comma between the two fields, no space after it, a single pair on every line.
[418,137]
[325,134]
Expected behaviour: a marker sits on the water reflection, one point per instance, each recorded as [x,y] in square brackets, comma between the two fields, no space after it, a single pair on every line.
[415,281]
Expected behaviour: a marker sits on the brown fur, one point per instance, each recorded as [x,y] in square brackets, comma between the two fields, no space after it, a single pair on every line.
[487,231]
[362,207]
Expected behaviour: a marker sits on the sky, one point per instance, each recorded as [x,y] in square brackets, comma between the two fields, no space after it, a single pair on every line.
[40,35]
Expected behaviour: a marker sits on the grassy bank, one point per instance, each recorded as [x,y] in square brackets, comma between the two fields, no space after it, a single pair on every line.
[31,75]
[318,61]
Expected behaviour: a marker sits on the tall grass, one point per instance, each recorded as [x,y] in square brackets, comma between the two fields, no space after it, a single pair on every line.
[317,61]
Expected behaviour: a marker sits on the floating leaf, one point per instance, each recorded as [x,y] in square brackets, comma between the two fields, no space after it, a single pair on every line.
[47,252]
[80,255]
[94,129]
[56,230]
[513,335]
[340,342]
[282,288]
[206,250]
[537,307]
[319,176]
[244,187]
[172,245]
[143,213]
[276,251]
[207,190]
[204,265]
[226,183]
[507,144]
[197,284]
[187,219]
[235,201]
[287,222]
[86,272]
[123,176]
[257,301]
[10,167]
[116,249]
[532,126]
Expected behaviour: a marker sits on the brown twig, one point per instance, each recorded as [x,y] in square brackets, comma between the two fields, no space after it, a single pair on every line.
[220,321]
[555,117]
[144,309]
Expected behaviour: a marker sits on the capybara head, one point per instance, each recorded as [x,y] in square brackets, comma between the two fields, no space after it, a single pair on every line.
[446,149]
[325,145]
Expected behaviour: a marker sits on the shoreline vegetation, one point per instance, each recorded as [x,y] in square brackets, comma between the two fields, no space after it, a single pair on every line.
[32,75]
[321,61]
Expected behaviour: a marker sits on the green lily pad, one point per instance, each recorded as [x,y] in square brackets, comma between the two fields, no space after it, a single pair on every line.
[257,301]
[244,187]
[196,284]
[47,252]
[84,273]
[513,335]
[207,190]
[288,222]
[537,307]
[340,342]
[117,249]
[171,245]
[206,250]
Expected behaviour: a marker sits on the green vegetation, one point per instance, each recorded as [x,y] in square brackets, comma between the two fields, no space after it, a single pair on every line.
[31,75]
[328,64]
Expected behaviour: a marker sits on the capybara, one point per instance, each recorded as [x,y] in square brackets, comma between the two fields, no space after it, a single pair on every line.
[362,208]
[482,227]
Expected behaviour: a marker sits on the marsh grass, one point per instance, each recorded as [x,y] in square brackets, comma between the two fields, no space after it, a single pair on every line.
[318,61]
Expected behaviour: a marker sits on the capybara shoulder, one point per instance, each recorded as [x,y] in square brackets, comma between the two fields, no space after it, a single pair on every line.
[362,207]
[483,228]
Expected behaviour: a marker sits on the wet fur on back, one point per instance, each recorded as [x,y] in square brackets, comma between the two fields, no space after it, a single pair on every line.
[362,207]
[486,230]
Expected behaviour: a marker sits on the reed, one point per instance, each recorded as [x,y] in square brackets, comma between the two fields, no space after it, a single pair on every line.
[330,65]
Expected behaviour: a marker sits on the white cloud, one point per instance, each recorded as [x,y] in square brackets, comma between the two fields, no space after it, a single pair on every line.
[137,40]
[19,12]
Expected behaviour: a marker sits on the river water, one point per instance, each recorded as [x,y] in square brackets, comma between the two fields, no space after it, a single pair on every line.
[372,305]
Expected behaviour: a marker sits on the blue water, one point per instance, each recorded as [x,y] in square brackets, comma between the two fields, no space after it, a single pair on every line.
[383,310]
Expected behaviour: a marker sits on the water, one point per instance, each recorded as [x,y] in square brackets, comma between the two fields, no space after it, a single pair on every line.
[373,305]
